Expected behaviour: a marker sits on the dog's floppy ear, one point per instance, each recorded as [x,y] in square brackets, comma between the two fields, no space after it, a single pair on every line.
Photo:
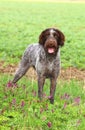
[42,38]
[61,37]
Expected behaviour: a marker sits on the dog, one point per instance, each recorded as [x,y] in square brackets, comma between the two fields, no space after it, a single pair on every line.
[44,57]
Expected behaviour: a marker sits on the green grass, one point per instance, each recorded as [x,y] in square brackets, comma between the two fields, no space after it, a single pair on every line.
[22,22]
[21,109]
[20,25]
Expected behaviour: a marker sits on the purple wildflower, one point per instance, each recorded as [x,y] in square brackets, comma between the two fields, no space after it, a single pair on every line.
[77,101]
[49,124]
[49,97]
[65,96]
[14,101]
[9,84]
[22,103]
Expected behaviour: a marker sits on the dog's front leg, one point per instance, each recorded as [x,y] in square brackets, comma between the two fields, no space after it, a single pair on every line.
[52,89]
[41,81]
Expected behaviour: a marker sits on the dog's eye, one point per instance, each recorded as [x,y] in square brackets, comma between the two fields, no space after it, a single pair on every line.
[55,35]
[47,35]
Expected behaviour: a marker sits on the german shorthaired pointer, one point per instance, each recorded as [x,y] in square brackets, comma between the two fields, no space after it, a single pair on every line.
[44,57]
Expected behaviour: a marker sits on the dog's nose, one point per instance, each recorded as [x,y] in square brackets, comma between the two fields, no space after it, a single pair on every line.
[51,41]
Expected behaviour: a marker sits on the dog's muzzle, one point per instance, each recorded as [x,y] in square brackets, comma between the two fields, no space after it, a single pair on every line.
[51,45]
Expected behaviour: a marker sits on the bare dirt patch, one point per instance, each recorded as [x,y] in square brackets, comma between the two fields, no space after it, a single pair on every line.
[7,68]
[65,74]
[72,73]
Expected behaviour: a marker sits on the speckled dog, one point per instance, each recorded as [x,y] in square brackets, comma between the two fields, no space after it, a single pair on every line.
[44,57]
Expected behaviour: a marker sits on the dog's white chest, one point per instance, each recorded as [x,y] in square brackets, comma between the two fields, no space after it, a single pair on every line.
[44,67]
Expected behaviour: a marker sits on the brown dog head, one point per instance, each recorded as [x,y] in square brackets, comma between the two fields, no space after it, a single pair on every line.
[51,39]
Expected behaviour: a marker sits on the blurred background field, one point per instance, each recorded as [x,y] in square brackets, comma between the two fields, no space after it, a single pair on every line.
[22,22]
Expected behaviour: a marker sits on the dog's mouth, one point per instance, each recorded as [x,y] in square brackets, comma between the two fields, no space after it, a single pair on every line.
[51,50]
[51,46]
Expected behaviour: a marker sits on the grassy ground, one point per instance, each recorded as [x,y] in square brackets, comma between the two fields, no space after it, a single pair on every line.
[20,25]
[21,109]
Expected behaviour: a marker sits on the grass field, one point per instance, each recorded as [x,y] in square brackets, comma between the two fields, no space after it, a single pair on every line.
[21,22]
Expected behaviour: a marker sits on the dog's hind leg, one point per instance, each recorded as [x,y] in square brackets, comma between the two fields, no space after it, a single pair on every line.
[23,67]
